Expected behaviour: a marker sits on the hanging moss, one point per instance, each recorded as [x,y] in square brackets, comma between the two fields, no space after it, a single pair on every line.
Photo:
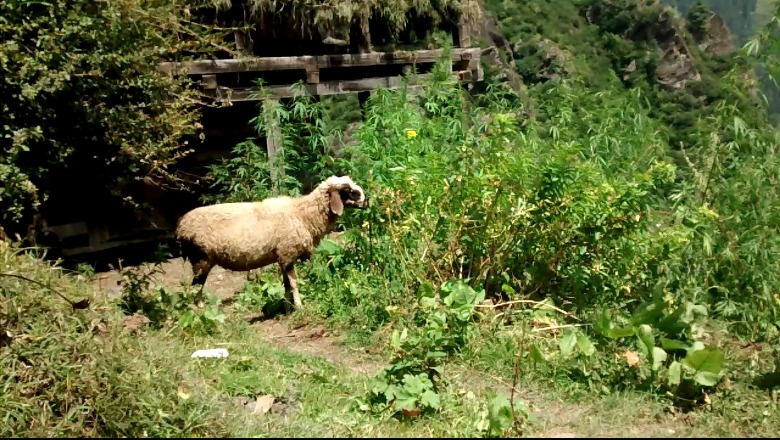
[306,15]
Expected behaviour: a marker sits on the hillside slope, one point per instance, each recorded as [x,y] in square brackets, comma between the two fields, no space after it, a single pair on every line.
[677,64]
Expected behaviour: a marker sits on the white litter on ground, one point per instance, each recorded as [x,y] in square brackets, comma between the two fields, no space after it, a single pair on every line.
[211,353]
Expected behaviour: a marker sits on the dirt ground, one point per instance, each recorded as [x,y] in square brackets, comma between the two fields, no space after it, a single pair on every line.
[177,272]
[308,339]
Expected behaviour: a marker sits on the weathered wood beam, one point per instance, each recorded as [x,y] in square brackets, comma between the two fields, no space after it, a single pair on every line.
[307,62]
[228,95]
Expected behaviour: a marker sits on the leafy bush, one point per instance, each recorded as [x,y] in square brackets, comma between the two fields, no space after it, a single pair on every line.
[84,107]
[411,384]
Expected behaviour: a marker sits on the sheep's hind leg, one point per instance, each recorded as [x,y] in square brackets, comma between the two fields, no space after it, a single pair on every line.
[200,272]
[291,294]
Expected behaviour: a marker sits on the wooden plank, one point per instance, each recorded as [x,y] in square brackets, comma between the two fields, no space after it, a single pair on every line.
[69,252]
[203,67]
[70,229]
[327,88]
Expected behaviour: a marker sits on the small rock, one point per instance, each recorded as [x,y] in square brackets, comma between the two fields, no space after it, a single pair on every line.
[135,322]
[263,404]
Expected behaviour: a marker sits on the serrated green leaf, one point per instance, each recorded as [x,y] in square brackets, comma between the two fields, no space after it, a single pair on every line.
[603,322]
[405,401]
[620,332]
[647,341]
[567,342]
[647,313]
[329,247]
[659,357]
[672,344]
[537,355]
[585,345]
[706,378]
[707,359]
[675,373]
[431,399]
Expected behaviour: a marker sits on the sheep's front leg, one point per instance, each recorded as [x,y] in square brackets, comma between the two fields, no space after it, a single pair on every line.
[291,294]
[200,271]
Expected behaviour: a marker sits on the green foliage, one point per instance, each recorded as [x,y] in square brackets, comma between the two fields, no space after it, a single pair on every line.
[84,108]
[505,416]
[205,321]
[443,323]
[304,150]
[161,306]
[266,293]
[673,360]
[699,19]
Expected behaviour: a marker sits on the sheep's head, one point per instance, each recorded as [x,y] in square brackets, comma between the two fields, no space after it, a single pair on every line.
[342,192]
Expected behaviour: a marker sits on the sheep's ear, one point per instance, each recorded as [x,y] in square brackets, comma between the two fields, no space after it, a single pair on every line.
[336,204]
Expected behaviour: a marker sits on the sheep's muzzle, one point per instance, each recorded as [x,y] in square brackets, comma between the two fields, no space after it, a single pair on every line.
[355,199]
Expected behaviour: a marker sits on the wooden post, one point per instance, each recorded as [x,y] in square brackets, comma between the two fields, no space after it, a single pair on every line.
[360,36]
[365,41]
[243,42]
[273,143]
[463,36]
[209,82]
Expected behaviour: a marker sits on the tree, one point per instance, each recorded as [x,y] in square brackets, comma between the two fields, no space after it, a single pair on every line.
[699,19]
[82,105]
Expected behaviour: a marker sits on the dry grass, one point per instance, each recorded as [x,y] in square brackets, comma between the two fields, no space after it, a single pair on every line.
[309,14]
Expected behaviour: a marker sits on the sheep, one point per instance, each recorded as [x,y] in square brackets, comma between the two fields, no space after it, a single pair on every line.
[250,235]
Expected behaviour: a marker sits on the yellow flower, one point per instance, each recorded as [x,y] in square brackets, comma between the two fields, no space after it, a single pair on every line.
[411,134]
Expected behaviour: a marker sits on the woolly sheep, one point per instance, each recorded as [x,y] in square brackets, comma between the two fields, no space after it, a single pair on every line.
[251,235]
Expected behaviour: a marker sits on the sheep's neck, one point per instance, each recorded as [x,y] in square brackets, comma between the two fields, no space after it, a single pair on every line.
[315,208]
